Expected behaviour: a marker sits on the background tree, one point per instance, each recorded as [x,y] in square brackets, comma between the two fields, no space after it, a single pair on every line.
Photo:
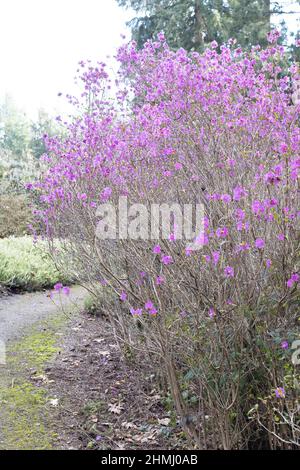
[43,126]
[15,128]
[21,144]
[193,23]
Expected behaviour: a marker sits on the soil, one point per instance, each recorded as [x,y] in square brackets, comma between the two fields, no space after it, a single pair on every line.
[105,402]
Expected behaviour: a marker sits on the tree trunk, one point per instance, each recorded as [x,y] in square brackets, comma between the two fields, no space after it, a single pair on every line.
[199,26]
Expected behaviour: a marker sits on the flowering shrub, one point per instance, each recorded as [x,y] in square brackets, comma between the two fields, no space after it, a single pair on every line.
[218,129]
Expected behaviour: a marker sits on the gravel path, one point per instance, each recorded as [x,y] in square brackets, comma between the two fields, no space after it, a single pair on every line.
[22,310]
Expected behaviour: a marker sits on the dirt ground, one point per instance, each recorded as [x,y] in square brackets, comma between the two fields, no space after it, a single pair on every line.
[104,402]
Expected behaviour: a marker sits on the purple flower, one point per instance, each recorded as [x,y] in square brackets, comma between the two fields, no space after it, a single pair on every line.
[153,311]
[82,196]
[273,35]
[58,287]
[293,280]
[280,392]
[244,246]
[238,193]
[149,305]
[66,290]
[282,148]
[211,312]
[106,193]
[123,296]
[268,263]
[161,37]
[222,232]
[229,271]
[259,243]
[216,257]
[284,345]
[137,311]
[166,259]
[159,280]
[157,249]
[226,198]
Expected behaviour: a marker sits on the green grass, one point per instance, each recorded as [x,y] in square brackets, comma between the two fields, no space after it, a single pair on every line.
[25,265]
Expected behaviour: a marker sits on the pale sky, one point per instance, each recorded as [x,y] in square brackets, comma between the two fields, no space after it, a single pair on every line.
[41,42]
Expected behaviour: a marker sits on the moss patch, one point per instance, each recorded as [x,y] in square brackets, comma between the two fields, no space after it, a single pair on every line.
[26,414]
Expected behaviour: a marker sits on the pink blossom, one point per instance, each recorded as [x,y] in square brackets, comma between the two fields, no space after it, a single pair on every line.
[58,286]
[244,246]
[229,271]
[157,249]
[238,193]
[268,263]
[161,37]
[259,243]
[293,280]
[273,36]
[137,311]
[216,257]
[211,312]
[153,311]
[149,305]
[66,290]
[106,193]
[222,232]
[166,259]
[178,166]
[280,392]
[159,280]
[226,198]
[283,148]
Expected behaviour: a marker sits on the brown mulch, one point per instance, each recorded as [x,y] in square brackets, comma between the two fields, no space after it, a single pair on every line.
[104,401]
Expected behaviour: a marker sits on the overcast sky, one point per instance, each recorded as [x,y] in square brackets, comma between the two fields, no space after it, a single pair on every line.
[41,42]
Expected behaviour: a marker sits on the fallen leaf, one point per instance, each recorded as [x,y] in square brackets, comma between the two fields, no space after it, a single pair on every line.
[164,421]
[54,402]
[128,425]
[104,353]
[115,408]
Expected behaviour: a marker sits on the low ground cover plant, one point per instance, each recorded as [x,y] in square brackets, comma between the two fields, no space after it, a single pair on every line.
[27,265]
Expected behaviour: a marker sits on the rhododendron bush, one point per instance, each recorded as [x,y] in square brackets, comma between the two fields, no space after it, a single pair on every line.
[217,129]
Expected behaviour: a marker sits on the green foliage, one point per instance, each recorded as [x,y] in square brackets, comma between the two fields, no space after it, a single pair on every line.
[15,129]
[26,265]
[43,126]
[21,145]
[15,215]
